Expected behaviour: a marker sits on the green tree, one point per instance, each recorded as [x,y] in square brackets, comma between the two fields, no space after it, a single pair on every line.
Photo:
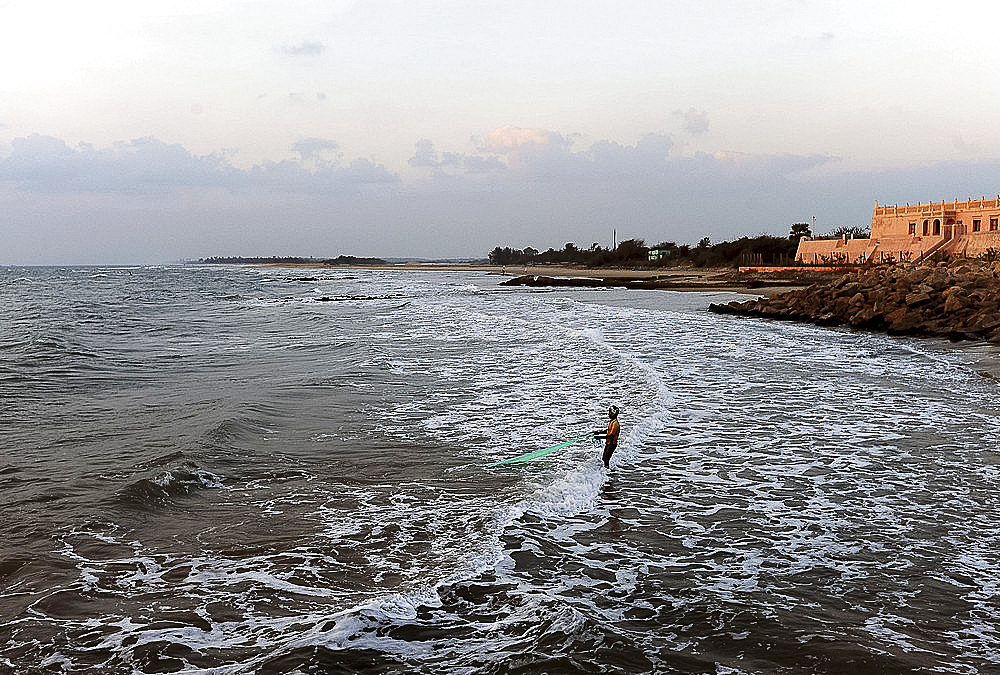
[851,232]
[571,253]
[632,249]
[506,256]
[799,230]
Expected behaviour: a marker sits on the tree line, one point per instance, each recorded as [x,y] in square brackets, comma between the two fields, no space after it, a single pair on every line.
[764,249]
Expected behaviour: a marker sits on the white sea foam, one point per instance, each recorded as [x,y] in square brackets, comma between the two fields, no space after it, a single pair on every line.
[569,494]
[832,480]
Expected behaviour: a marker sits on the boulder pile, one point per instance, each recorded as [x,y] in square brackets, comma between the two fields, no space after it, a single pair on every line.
[959,301]
[676,280]
[577,282]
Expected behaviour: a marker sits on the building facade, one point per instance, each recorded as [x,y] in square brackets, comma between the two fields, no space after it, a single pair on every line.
[969,228]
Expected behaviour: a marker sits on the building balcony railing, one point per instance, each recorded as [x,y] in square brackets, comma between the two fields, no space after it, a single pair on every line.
[937,208]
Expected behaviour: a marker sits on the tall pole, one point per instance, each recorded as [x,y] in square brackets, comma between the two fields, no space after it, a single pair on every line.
[614,239]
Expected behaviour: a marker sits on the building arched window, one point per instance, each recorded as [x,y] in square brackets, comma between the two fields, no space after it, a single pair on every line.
[937,227]
[925,229]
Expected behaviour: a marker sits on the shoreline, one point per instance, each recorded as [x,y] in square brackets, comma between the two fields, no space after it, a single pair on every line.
[985,359]
[686,279]
[508,270]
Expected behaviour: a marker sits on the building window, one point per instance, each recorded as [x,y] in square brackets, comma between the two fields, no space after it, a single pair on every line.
[937,227]
[925,228]
[994,223]
[913,228]
[977,224]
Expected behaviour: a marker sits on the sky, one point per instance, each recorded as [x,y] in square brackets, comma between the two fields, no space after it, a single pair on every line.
[151,132]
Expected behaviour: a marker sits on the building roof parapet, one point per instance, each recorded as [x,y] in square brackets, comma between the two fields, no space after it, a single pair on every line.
[936,207]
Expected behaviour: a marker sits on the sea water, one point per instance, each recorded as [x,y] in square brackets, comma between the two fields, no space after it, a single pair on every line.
[252,470]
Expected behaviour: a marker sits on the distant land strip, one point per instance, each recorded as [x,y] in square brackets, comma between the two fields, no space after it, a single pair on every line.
[291,260]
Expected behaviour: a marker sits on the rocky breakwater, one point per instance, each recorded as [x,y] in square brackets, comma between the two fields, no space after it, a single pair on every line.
[687,280]
[959,301]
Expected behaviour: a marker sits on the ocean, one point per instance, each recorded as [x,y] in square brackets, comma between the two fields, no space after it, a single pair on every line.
[251,470]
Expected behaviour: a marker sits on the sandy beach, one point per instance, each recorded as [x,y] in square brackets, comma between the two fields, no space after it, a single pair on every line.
[517,270]
[685,274]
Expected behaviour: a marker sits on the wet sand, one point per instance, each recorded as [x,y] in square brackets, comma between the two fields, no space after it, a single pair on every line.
[518,270]
[664,278]
[680,273]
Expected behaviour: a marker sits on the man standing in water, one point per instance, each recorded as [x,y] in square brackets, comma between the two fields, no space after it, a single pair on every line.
[610,436]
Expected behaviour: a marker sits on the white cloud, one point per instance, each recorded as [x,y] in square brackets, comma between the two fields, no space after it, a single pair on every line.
[321,150]
[509,139]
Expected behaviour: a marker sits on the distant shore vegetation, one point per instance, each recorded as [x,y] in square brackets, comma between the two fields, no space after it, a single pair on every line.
[764,249]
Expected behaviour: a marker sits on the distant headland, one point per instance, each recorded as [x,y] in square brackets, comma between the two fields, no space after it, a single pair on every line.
[291,260]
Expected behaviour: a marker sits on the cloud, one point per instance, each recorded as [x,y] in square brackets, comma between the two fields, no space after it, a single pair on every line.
[519,156]
[964,148]
[317,149]
[695,121]
[144,165]
[649,155]
[148,201]
[510,157]
[510,139]
[151,167]
[758,166]
[305,48]
[425,155]
[475,164]
[294,177]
